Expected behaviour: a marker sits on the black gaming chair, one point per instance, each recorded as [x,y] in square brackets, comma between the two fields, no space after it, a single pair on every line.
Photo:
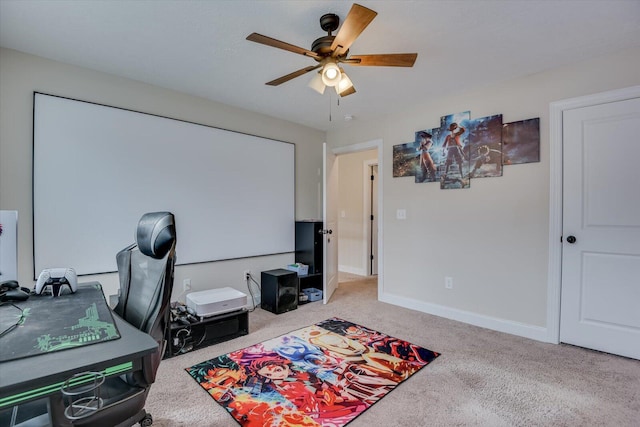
[146,281]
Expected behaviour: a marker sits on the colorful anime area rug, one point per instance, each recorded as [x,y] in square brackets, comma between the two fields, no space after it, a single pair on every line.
[322,375]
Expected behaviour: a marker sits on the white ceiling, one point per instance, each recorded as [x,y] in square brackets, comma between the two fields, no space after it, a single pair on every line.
[199,47]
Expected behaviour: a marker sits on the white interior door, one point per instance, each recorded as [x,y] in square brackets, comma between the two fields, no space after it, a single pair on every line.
[330,223]
[600,300]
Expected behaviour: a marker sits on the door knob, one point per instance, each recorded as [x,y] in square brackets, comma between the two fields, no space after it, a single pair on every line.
[571,239]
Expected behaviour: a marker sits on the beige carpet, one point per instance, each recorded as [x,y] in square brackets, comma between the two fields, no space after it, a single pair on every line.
[483,378]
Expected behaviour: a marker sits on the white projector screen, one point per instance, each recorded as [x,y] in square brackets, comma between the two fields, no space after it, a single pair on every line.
[98,169]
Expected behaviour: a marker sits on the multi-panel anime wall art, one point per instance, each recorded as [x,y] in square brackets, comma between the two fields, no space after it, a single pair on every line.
[462,148]
[521,142]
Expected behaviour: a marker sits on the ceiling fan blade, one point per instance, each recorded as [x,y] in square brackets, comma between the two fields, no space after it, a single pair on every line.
[259,38]
[293,75]
[385,60]
[357,20]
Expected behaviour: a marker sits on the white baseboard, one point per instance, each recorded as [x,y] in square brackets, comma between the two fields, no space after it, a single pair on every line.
[537,333]
[352,270]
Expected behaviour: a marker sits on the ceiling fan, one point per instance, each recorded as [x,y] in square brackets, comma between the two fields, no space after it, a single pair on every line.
[330,51]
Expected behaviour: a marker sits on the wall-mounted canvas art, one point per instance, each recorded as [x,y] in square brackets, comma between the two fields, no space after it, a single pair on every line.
[427,158]
[454,137]
[485,146]
[463,148]
[521,142]
[405,159]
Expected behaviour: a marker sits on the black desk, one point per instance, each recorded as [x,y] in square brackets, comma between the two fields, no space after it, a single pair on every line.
[34,377]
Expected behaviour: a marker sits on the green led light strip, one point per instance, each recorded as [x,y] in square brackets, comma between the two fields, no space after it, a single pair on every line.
[52,388]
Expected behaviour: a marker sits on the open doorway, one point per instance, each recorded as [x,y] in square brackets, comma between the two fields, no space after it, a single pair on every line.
[358,222]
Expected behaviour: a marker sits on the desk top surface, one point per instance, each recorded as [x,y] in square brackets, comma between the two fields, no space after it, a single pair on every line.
[44,324]
[49,368]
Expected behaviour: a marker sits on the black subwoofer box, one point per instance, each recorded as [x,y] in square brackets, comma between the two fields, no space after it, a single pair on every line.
[279,290]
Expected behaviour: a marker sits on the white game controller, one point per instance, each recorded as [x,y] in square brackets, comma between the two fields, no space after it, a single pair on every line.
[56,277]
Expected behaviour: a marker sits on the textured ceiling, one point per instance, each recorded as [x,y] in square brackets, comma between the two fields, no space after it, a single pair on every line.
[199,47]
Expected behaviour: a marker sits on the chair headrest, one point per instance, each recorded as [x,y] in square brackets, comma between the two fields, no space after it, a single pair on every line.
[156,233]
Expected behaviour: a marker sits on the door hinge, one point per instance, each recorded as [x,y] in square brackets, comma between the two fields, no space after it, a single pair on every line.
[371,217]
[372,178]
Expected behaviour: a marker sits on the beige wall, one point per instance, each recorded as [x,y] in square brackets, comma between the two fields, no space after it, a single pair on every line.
[351,244]
[492,238]
[22,74]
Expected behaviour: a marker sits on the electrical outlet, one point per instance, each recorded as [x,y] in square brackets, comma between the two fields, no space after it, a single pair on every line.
[186,285]
[448,282]
[246,275]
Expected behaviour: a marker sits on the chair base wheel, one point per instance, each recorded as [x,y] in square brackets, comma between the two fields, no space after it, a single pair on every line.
[146,421]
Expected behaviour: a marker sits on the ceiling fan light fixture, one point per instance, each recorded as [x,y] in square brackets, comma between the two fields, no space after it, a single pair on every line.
[317,84]
[345,85]
[331,74]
